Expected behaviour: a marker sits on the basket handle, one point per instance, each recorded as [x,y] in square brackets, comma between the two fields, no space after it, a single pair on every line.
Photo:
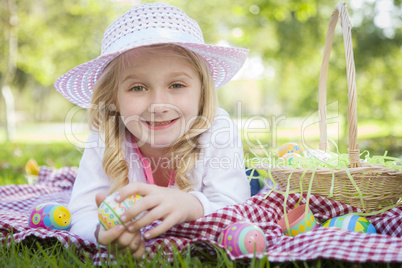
[354,152]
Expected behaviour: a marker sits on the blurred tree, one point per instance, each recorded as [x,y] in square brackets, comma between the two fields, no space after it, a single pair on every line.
[53,37]
[289,35]
[56,35]
[8,67]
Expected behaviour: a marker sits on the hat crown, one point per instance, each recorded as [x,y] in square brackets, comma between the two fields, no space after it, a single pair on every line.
[142,25]
[148,24]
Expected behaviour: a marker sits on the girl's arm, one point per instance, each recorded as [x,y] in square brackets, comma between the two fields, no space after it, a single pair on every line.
[90,188]
[91,179]
[220,169]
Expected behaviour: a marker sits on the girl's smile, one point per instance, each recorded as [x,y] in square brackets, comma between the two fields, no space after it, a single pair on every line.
[156,125]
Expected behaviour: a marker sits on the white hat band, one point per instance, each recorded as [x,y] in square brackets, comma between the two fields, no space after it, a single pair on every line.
[151,36]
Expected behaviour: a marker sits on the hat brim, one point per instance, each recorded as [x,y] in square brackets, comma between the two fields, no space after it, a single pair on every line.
[77,84]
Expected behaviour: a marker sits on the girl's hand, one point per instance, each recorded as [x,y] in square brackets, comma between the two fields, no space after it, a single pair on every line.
[172,206]
[118,239]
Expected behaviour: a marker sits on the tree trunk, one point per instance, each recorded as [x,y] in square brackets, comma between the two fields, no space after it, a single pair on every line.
[10,112]
[10,72]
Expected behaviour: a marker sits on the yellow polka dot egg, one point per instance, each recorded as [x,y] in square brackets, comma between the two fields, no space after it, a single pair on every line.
[298,221]
[288,148]
[50,216]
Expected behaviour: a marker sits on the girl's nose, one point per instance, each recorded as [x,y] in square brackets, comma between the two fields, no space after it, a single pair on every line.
[158,108]
[160,103]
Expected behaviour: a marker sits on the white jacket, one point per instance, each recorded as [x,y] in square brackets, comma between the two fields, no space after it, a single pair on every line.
[219,173]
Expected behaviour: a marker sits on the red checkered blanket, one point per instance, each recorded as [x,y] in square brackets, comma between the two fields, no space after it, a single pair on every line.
[17,201]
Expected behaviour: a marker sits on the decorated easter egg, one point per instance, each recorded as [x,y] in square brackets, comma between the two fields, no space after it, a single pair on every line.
[351,223]
[317,154]
[242,237]
[50,216]
[289,147]
[287,158]
[110,210]
[298,221]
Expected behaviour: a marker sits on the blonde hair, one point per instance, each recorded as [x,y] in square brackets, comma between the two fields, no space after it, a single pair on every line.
[185,151]
[106,120]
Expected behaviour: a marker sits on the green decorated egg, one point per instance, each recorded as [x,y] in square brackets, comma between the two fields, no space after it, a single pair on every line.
[287,158]
[110,211]
[351,223]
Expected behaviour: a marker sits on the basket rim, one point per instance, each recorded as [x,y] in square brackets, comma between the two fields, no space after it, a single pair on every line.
[365,168]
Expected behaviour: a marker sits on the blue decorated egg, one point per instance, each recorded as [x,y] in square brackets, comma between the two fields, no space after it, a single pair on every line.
[50,216]
[289,147]
[351,223]
[242,237]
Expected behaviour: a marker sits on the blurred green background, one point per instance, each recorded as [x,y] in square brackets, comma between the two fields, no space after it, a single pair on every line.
[274,97]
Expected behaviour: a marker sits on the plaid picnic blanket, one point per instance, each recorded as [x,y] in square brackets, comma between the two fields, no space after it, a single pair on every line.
[17,201]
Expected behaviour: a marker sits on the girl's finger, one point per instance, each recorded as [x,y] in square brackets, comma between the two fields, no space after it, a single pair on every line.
[132,189]
[106,237]
[126,238]
[144,204]
[148,218]
[135,242]
[165,225]
[140,251]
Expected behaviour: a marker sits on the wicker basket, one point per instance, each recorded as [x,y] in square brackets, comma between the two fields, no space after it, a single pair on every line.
[377,185]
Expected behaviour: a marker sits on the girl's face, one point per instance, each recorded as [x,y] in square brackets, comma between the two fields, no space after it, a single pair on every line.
[158,95]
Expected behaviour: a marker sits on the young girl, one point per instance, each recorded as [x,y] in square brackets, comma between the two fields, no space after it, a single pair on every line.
[155,127]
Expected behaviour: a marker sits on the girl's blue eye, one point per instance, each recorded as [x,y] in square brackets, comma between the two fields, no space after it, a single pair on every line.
[176,86]
[138,88]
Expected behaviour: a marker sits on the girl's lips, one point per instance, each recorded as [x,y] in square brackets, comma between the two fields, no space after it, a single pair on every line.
[157,125]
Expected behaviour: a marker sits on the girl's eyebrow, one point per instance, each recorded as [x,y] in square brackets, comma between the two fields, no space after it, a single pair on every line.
[173,74]
[127,77]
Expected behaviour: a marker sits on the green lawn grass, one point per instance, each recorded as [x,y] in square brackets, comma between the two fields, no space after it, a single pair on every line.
[14,156]
[36,253]
[53,254]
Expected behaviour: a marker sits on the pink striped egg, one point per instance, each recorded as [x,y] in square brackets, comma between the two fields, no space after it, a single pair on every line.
[241,238]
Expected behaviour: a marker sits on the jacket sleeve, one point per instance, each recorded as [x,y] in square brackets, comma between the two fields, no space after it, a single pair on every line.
[91,179]
[220,170]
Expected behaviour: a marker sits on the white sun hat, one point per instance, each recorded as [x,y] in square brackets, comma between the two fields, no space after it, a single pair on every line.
[143,25]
